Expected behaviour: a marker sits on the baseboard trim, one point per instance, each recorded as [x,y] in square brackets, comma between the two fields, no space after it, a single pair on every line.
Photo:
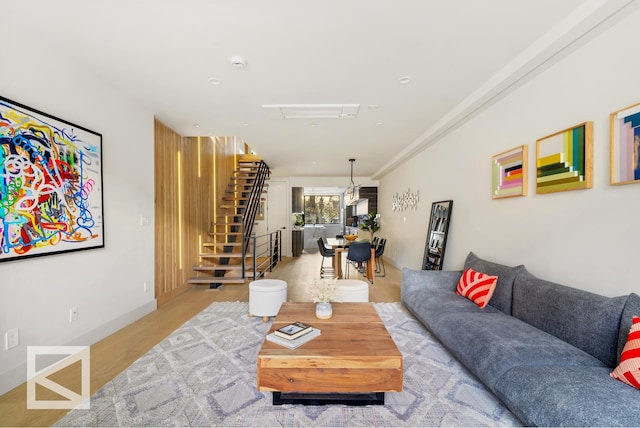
[17,376]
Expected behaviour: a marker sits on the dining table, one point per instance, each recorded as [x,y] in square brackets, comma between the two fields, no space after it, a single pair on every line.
[341,245]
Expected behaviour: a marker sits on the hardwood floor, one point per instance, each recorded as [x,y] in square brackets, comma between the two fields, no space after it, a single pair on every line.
[115,353]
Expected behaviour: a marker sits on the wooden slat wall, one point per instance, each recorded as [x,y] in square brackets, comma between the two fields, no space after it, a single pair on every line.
[226,149]
[167,145]
[206,165]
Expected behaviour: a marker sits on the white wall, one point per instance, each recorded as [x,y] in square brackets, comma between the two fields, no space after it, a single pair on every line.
[587,238]
[106,285]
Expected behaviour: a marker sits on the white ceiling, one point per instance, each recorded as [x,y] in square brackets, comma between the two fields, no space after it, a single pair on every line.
[459,54]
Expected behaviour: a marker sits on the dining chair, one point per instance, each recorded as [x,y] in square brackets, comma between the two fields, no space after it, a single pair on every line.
[380,269]
[326,271]
[359,254]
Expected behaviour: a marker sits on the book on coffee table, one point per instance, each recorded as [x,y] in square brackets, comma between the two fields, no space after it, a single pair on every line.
[294,343]
[293,331]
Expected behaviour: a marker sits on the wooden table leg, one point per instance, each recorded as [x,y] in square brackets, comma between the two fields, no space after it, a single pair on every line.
[371,265]
[337,262]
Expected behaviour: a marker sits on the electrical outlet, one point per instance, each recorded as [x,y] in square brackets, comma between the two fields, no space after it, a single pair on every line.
[73,314]
[146,287]
[11,339]
[145,220]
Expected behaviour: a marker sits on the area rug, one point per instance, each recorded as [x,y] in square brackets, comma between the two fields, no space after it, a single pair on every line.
[204,374]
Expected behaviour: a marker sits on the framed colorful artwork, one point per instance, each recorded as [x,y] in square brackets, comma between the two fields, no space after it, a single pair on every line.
[50,184]
[564,160]
[509,173]
[625,145]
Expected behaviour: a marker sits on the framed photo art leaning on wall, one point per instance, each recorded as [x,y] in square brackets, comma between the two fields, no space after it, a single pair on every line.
[50,184]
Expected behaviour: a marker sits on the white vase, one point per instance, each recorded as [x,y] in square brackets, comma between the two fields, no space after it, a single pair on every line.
[324,310]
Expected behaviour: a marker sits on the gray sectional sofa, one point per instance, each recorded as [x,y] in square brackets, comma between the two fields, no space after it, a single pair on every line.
[544,349]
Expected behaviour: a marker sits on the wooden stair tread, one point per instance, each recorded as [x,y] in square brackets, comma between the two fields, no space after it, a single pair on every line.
[214,280]
[222,244]
[220,255]
[228,207]
[239,198]
[203,268]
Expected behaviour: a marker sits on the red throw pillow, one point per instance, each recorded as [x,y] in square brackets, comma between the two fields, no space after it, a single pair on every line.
[477,286]
[628,371]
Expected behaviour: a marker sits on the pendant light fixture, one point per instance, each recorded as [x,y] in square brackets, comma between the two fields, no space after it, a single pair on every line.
[352,190]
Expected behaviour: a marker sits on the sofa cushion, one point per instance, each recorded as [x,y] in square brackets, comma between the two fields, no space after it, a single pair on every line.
[631,309]
[476,286]
[628,371]
[568,396]
[414,280]
[431,307]
[502,295]
[491,343]
[587,321]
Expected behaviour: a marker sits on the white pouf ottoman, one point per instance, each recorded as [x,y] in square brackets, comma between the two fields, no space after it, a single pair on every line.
[266,296]
[352,290]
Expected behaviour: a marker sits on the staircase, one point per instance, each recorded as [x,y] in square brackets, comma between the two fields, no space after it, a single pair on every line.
[230,255]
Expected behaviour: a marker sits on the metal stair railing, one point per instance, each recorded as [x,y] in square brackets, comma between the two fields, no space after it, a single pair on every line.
[251,209]
[267,248]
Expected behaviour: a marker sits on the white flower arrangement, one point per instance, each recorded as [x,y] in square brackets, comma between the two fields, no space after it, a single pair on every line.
[322,290]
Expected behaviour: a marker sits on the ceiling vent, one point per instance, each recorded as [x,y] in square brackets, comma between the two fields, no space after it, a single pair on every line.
[311,111]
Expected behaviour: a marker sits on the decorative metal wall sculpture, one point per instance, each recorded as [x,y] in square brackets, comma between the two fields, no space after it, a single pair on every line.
[406,201]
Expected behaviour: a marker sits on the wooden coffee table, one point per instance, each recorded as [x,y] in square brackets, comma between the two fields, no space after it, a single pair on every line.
[353,361]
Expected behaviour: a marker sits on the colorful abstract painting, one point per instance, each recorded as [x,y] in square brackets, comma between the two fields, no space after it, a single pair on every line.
[509,170]
[625,145]
[50,184]
[564,160]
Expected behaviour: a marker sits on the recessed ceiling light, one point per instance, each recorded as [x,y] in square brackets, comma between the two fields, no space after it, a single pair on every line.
[404,80]
[313,124]
[196,125]
[238,62]
[214,81]
[372,106]
[245,123]
[379,122]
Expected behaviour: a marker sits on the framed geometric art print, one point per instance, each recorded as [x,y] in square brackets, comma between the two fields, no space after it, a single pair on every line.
[564,160]
[50,184]
[625,145]
[509,173]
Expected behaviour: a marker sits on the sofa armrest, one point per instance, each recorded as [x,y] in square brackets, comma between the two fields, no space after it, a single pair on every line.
[414,280]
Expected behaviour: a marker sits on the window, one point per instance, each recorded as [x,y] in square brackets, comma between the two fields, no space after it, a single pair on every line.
[322,209]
